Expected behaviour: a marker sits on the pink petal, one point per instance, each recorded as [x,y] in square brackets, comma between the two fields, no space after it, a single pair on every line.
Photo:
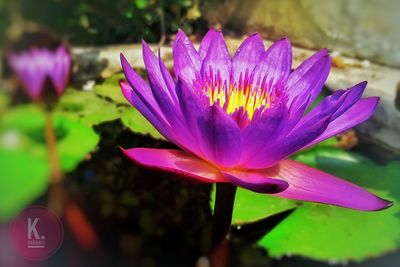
[176,161]
[157,121]
[256,181]
[217,64]
[205,43]
[358,113]
[186,59]
[309,77]
[247,57]
[309,184]
[274,65]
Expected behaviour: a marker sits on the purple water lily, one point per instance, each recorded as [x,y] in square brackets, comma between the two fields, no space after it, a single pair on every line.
[237,120]
[36,66]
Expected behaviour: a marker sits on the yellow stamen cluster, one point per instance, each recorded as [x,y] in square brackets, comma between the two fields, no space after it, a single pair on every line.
[234,98]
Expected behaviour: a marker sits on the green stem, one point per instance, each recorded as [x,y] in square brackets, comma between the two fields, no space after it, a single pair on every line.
[225,197]
[51,140]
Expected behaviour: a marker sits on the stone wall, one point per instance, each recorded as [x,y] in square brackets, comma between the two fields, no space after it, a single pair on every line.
[367,29]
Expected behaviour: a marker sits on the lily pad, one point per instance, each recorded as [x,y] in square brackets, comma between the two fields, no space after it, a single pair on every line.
[251,207]
[23,178]
[77,143]
[321,152]
[75,140]
[337,234]
[87,107]
[24,158]
[135,121]
[111,90]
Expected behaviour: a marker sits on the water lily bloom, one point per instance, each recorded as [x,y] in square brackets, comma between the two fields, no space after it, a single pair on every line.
[238,119]
[37,68]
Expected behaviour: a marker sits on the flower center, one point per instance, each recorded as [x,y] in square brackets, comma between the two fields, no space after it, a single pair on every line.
[238,98]
[242,100]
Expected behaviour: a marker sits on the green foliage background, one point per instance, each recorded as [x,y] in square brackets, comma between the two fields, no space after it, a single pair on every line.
[88,22]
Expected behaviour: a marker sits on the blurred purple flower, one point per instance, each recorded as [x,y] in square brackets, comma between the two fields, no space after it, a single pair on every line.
[37,65]
[237,120]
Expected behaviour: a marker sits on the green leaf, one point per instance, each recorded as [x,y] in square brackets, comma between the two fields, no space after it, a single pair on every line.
[337,234]
[311,157]
[111,90]
[23,179]
[77,143]
[250,206]
[24,155]
[135,121]
[87,108]
[26,123]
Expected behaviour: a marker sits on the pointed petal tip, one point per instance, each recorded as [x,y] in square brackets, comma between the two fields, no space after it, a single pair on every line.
[120,81]
[324,62]
[254,34]
[146,47]
[374,101]
[124,61]
[285,40]
[364,82]
[281,45]
[179,35]
[381,204]
[323,51]
[309,184]
[385,204]
[359,87]
[389,204]
[121,56]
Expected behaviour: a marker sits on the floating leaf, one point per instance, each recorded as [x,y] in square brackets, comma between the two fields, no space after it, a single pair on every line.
[310,157]
[337,234]
[77,143]
[250,206]
[87,108]
[111,90]
[22,128]
[135,121]
[23,179]
[24,156]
